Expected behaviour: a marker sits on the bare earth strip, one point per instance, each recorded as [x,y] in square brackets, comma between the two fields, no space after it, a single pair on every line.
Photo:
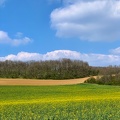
[4,81]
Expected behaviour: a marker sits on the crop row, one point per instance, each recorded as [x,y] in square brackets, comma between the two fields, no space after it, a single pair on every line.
[84,110]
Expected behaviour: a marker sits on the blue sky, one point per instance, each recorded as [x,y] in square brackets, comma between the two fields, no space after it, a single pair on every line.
[87,30]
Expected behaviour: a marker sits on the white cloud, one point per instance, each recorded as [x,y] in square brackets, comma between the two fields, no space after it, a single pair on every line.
[58,54]
[19,40]
[2,2]
[92,20]
[92,59]
[19,35]
[24,56]
[115,51]
[4,38]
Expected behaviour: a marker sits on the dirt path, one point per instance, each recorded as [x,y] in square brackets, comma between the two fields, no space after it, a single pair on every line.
[41,82]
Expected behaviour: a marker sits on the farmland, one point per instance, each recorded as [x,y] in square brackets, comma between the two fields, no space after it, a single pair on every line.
[6,81]
[68,102]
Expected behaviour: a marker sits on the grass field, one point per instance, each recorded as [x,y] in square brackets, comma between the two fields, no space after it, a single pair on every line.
[69,102]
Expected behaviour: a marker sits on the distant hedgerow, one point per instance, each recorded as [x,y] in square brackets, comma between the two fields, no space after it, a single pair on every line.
[105,80]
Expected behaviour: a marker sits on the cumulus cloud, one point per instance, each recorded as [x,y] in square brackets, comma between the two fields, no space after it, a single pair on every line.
[92,20]
[19,40]
[58,54]
[92,59]
[23,56]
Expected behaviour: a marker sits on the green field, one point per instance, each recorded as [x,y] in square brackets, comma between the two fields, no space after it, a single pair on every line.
[70,102]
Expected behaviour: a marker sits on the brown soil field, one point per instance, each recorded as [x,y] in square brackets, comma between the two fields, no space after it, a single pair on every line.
[4,81]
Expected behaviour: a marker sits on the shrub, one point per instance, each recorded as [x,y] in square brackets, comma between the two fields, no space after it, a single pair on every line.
[91,80]
[105,80]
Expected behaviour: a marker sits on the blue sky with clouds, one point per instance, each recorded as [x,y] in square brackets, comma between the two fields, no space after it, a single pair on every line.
[87,30]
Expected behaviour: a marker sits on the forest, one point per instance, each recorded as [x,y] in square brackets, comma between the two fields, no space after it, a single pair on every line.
[51,69]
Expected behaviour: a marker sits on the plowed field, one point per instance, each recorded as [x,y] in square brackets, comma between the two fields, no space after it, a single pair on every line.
[35,82]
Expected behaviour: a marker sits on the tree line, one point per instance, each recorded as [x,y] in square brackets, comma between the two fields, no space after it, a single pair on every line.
[105,80]
[51,69]
[109,76]
[109,70]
